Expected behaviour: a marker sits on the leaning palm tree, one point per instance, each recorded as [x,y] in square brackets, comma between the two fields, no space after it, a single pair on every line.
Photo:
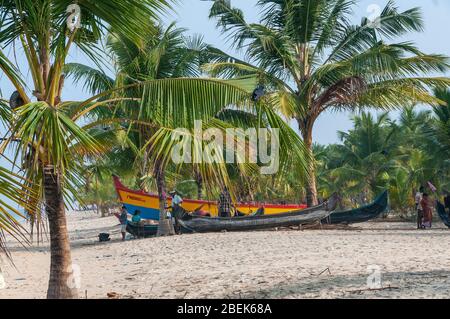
[49,136]
[311,58]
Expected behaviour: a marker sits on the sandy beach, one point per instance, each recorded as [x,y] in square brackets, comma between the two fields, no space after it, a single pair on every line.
[266,264]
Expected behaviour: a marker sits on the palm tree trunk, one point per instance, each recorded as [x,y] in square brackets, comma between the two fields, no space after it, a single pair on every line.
[165,227]
[31,218]
[97,200]
[311,188]
[200,189]
[199,182]
[60,284]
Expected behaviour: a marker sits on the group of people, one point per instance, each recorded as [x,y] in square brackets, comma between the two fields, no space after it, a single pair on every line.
[123,219]
[424,208]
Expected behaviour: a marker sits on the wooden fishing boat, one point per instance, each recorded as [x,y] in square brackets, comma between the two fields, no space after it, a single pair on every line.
[361,214]
[443,214]
[141,231]
[148,204]
[312,215]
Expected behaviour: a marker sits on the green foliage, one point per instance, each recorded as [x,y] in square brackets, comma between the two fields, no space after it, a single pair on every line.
[160,87]
[311,54]
[12,193]
[381,154]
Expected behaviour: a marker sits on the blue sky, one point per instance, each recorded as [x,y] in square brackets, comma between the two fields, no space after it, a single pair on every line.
[193,14]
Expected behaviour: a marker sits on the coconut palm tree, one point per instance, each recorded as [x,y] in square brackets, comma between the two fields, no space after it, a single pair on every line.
[399,191]
[411,124]
[164,54]
[48,135]
[399,155]
[439,131]
[312,58]
[366,155]
[437,141]
[169,54]
[12,193]
[46,30]
[410,152]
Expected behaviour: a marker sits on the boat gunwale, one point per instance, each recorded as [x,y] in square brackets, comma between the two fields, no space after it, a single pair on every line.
[293,213]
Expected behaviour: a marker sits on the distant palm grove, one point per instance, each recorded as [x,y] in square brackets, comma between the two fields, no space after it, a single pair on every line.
[302,58]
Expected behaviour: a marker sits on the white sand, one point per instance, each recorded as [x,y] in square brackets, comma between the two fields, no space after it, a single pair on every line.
[283,264]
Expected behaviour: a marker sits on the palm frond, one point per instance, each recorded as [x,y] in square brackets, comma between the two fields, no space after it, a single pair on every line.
[5,112]
[47,136]
[13,74]
[170,101]
[13,192]
[94,81]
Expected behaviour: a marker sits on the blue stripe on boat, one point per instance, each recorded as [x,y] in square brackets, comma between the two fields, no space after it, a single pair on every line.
[146,213]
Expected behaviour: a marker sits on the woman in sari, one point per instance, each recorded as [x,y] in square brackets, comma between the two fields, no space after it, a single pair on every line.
[427,211]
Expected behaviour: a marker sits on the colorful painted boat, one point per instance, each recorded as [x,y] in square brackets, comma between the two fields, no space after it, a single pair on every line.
[148,204]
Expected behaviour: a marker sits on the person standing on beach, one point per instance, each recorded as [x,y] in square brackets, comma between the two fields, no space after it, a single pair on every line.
[123,218]
[427,211]
[225,203]
[418,199]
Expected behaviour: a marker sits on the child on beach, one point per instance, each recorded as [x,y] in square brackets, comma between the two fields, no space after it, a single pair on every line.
[123,218]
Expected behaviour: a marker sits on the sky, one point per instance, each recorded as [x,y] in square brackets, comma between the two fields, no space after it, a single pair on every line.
[193,16]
